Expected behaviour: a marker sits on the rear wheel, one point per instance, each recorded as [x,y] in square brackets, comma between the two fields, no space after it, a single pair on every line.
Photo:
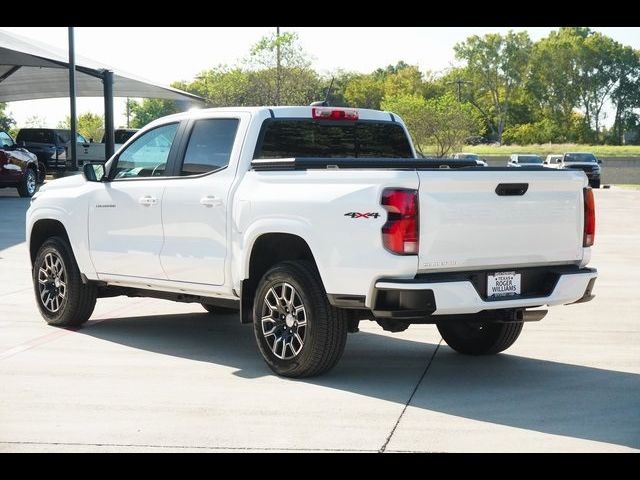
[63,300]
[595,183]
[298,332]
[27,186]
[480,338]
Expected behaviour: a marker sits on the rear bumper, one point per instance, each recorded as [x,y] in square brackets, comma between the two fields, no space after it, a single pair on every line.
[448,295]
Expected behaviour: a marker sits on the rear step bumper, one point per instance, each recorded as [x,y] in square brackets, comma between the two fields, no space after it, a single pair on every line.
[417,298]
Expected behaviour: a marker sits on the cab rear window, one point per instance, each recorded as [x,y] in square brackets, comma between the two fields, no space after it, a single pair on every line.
[287,138]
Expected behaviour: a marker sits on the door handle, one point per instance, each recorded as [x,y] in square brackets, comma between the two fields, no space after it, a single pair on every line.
[512,189]
[210,201]
[147,200]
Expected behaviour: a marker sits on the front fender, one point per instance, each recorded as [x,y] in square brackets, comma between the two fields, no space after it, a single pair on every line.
[73,217]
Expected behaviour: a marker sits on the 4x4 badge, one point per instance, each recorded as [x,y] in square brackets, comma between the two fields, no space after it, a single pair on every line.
[362,215]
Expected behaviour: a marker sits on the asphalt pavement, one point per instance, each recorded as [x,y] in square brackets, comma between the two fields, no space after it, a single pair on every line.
[152,375]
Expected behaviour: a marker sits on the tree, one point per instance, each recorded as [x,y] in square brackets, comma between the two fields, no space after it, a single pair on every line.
[442,121]
[6,121]
[626,95]
[222,86]
[496,66]
[553,83]
[35,121]
[598,73]
[364,91]
[90,125]
[151,109]
[290,81]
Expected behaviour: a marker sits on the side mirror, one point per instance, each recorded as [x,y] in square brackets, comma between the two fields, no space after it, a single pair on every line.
[94,172]
[599,162]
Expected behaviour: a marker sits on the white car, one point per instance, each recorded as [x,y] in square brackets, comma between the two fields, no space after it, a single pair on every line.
[525,160]
[308,220]
[553,160]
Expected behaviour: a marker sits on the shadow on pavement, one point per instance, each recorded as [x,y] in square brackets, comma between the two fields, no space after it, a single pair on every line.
[538,395]
[12,220]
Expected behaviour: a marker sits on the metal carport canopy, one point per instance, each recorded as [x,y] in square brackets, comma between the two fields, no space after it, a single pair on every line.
[32,70]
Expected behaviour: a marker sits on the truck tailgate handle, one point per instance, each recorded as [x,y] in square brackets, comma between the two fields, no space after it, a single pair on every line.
[512,189]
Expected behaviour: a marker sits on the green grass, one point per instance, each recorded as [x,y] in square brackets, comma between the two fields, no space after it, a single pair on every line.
[549,148]
[629,186]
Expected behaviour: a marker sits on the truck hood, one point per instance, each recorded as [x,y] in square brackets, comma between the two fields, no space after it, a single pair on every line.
[65,182]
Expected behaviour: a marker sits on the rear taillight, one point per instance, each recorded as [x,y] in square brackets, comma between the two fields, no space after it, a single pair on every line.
[589,218]
[400,233]
[334,114]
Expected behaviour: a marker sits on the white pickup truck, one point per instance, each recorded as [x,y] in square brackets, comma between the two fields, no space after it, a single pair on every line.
[308,220]
[91,152]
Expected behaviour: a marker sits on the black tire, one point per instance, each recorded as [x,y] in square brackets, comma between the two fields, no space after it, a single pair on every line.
[79,300]
[480,338]
[595,184]
[324,332]
[213,310]
[28,185]
[42,172]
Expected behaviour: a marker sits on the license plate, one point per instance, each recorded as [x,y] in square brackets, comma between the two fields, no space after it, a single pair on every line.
[503,284]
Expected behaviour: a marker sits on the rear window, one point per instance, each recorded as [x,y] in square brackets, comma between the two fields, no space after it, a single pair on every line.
[529,159]
[308,138]
[35,135]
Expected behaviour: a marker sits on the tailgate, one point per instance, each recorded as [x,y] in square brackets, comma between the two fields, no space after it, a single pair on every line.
[466,225]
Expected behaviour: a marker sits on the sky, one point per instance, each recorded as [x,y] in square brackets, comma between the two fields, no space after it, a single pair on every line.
[165,54]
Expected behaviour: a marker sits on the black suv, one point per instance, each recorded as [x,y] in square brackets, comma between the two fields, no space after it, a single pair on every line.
[51,145]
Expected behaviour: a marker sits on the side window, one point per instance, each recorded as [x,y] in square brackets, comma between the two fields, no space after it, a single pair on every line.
[147,156]
[209,145]
[5,140]
[80,138]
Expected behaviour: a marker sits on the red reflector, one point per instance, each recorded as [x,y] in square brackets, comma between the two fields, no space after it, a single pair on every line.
[400,233]
[334,114]
[589,218]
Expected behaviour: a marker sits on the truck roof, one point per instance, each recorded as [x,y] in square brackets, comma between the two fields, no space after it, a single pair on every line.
[283,112]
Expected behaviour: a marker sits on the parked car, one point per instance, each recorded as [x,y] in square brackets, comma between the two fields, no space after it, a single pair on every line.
[552,160]
[95,152]
[476,140]
[18,167]
[51,145]
[585,161]
[528,160]
[262,210]
[470,156]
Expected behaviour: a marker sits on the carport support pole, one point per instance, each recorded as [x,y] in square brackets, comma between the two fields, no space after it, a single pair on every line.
[72,99]
[107,80]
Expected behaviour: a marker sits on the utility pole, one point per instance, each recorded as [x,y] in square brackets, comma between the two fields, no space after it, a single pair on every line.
[72,102]
[459,83]
[277,65]
[128,112]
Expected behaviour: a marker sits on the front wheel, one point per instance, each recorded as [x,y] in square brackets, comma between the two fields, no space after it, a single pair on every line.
[480,338]
[27,187]
[42,173]
[298,332]
[63,300]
